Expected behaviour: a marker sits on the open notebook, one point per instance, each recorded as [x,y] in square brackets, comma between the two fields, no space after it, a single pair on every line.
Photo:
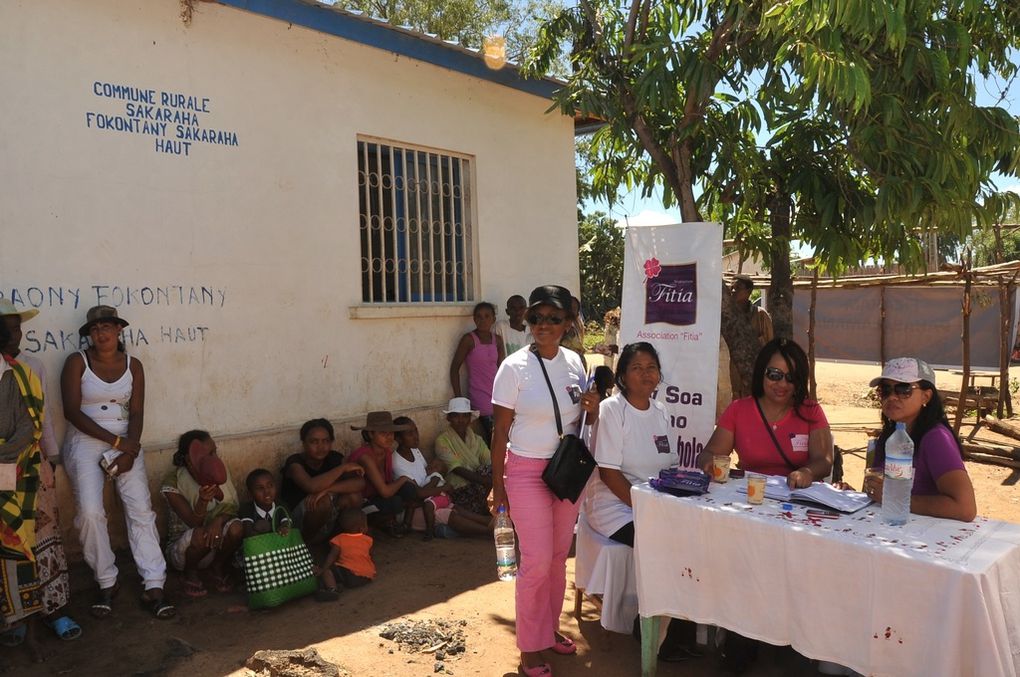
[819,492]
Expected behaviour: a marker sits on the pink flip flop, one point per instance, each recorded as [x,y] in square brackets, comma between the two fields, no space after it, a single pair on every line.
[564,646]
[540,670]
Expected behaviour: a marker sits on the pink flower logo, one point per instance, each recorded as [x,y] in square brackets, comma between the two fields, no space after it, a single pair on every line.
[652,268]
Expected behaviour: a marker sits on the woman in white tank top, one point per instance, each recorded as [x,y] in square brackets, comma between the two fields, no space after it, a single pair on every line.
[103,392]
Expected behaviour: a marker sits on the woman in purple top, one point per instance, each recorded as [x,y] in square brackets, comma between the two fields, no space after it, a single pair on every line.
[942,487]
[483,351]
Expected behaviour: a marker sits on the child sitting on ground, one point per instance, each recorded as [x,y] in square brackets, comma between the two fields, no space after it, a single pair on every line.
[350,556]
[435,504]
[203,531]
[257,514]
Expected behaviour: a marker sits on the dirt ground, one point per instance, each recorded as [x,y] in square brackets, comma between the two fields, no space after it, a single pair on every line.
[442,579]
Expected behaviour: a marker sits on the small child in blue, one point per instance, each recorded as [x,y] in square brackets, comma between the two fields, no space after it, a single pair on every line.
[257,514]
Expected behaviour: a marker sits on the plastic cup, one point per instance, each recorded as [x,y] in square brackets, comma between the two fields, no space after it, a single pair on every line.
[721,468]
[755,489]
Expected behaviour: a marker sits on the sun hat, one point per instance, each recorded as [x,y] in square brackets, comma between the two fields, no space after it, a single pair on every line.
[7,308]
[209,468]
[381,421]
[100,314]
[550,295]
[905,370]
[461,405]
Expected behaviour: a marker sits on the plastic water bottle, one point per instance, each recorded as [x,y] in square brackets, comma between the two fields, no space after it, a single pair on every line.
[899,477]
[506,554]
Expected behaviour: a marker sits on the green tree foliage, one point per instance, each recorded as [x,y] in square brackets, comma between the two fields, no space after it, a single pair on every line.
[983,241]
[601,262]
[846,124]
[466,21]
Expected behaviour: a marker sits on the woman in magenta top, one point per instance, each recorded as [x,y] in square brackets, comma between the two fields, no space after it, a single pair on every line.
[778,404]
[482,350]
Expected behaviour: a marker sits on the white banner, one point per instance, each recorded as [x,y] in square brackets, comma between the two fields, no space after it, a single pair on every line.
[672,286]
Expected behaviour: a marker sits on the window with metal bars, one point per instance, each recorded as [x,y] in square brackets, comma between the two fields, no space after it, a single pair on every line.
[415,216]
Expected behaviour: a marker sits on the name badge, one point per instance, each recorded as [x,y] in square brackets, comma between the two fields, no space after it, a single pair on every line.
[799,443]
[661,444]
[574,391]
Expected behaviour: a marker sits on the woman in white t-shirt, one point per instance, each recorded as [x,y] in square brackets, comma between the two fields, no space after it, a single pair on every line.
[633,442]
[523,440]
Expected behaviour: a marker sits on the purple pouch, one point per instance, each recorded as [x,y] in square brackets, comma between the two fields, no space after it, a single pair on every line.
[681,482]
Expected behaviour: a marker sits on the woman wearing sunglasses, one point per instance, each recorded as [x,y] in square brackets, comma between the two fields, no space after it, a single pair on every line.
[777,430]
[524,438]
[942,487]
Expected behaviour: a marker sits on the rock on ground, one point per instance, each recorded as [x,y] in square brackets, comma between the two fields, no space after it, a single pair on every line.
[307,663]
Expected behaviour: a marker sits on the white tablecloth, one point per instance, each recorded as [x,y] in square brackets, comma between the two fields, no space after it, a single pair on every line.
[936,597]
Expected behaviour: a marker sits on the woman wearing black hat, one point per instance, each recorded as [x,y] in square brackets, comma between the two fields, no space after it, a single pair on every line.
[103,392]
[524,438]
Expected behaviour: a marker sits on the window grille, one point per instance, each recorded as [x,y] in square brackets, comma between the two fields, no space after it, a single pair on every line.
[415,216]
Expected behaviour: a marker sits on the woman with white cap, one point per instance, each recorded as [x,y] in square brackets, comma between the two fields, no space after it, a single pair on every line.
[525,437]
[104,401]
[467,459]
[942,487]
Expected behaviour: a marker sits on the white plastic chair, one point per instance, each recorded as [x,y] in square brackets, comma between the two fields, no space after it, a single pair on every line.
[605,568]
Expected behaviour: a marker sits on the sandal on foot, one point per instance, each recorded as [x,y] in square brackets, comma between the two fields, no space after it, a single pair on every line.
[194,589]
[222,583]
[540,670]
[103,606]
[327,595]
[564,646]
[65,628]
[160,608]
[14,637]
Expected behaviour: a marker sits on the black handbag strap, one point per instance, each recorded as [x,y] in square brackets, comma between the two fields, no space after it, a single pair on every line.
[768,427]
[556,405]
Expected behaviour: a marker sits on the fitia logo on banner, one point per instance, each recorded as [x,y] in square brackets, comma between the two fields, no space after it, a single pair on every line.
[671,293]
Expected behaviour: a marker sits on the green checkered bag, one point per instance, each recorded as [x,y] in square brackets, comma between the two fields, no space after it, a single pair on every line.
[277,567]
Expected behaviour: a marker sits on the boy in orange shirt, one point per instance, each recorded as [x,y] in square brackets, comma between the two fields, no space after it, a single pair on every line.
[350,556]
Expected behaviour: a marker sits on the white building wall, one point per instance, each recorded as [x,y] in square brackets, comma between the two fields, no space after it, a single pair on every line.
[250,255]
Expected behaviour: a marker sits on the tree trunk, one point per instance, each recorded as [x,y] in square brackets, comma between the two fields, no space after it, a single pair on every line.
[780,301]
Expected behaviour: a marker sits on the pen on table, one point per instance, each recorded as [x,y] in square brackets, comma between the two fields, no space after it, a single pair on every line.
[826,514]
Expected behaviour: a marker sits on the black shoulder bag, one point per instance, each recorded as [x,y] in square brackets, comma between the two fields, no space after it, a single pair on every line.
[572,464]
[768,427]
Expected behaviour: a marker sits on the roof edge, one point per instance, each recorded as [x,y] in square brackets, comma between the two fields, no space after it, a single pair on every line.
[406,42]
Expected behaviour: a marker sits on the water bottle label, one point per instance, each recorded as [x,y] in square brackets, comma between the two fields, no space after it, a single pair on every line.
[899,469]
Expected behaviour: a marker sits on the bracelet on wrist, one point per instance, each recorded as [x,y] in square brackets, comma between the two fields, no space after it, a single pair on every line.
[116,443]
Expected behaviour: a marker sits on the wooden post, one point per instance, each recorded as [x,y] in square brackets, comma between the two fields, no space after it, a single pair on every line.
[1005,317]
[812,383]
[965,338]
[881,325]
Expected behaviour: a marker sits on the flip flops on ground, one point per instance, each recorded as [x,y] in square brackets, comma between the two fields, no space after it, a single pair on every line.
[159,607]
[103,606]
[64,627]
[194,589]
[13,637]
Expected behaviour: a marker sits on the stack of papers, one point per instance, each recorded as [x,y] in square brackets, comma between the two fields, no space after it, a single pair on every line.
[819,492]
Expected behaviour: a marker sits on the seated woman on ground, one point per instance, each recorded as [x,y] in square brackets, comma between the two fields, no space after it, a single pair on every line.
[776,430]
[942,487]
[387,492]
[203,531]
[632,443]
[257,515]
[349,560]
[318,484]
[435,504]
[467,458]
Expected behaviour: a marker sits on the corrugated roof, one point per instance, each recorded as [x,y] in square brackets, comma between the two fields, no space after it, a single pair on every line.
[327,18]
